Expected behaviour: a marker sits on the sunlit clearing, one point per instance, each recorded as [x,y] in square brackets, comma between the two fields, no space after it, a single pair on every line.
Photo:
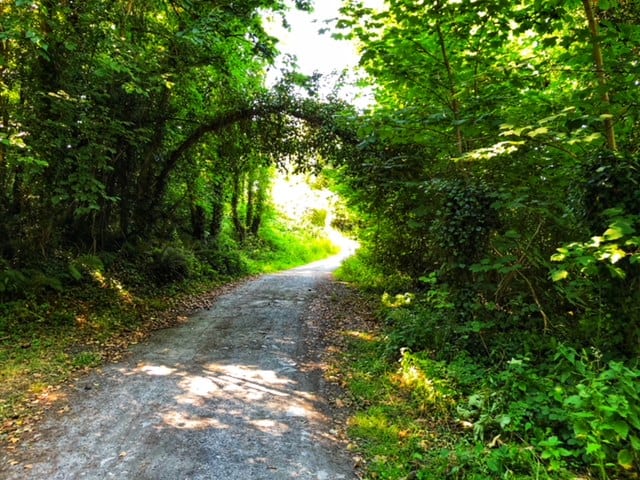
[294,196]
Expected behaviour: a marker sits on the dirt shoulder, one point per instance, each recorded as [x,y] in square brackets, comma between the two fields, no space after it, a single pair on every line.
[235,392]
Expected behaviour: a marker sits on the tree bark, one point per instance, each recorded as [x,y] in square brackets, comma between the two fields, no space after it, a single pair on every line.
[217,207]
[235,204]
[260,197]
[600,72]
[251,180]
[453,91]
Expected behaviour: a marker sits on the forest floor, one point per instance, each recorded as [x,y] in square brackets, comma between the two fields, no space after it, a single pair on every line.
[237,391]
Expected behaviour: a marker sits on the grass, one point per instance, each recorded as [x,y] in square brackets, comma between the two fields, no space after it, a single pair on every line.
[384,426]
[282,245]
[359,270]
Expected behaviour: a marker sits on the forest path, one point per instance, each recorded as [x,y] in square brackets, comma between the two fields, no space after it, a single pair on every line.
[235,393]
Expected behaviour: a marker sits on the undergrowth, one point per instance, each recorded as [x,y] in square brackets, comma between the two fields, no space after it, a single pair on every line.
[443,397]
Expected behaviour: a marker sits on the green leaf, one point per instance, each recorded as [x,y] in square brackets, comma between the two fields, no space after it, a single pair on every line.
[558,275]
[621,428]
[538,131]
[616,272]
[625,459]
[607,4]
[504,420]
[593,448]
[618,229]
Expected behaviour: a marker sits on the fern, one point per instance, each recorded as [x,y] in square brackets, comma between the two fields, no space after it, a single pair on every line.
[84,264]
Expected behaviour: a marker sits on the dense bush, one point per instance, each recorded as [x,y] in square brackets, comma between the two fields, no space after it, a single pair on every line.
[169,264]
[223,259]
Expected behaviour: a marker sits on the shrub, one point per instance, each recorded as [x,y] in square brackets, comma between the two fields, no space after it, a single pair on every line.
[316,217]
[85,264]
[169,264]
[12,282]
[224,259]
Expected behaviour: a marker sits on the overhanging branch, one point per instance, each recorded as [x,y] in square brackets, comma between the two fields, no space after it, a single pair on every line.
[312,113]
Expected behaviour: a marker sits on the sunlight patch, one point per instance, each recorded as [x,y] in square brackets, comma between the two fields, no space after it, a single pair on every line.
[155,370]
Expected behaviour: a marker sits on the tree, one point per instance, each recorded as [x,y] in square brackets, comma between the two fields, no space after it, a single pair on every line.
[484,153]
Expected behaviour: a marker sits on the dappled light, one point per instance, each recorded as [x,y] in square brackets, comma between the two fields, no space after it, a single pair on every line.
[111,283]
[485,154]
[155,370]
[222,396]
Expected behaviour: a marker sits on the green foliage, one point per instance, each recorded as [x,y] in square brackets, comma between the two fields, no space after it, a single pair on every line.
[464,219]
[283,244]
[427,325]
[12,282]
[317,217]
[224,258]
[169,264]
[591,276]
[85,264]
[550,413]
[603,411]
[26,283]
[612,181]
[502,137]
[362,270]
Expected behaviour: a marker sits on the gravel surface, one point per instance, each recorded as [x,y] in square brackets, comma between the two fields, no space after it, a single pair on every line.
[235,393]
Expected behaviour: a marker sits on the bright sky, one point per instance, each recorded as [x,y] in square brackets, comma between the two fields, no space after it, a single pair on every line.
[316,52]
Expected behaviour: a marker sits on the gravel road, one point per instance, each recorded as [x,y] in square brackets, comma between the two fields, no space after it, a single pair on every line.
[232,394]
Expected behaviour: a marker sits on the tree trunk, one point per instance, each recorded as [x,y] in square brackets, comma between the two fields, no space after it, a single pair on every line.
[235,203]
[453,91]
[217,207]
[602,78]
[260,198]
[250,199]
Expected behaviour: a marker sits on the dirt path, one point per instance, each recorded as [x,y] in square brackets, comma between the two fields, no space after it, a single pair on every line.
[232,394]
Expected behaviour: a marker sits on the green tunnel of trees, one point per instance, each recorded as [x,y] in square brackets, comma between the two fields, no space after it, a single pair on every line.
[497,169]
[503,138]
[501,153]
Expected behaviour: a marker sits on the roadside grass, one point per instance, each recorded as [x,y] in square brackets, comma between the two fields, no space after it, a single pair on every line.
[283,245]
[362,272]
[49,337]
[384,428]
